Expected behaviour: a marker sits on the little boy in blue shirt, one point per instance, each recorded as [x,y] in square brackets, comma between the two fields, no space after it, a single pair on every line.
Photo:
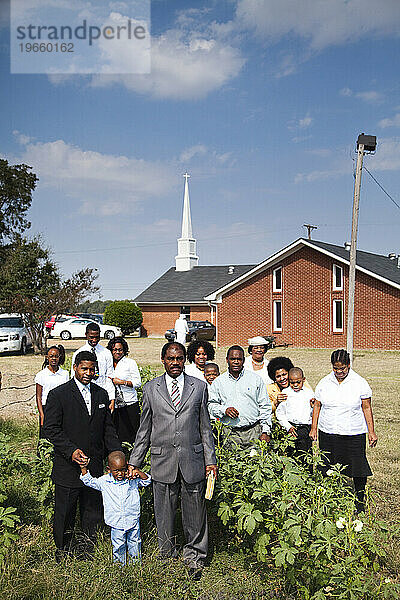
[121,502]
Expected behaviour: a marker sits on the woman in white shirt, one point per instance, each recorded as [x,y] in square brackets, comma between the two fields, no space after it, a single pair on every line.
[126,378]
[257,362]
[50,377]
[198,353]
[343,416]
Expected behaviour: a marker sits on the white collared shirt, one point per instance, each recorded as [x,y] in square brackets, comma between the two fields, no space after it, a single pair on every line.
[86,395]
[263,373]
[105,364]
[49,380]
[341,404]
[296,410]
[192,370]
[127,370]
[180,381]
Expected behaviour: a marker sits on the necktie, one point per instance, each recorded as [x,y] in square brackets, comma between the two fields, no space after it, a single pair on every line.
[96,367]
[175,394]
[87,399]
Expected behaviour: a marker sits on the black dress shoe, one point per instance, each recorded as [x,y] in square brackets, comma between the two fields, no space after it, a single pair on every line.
[195,573]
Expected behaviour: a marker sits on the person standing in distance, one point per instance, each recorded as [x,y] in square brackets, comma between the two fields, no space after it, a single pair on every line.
[176,425]
[78,423]
[104,367]
[181,329]
[239,398]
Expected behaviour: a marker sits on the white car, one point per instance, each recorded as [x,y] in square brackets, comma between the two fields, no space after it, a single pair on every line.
[76,328]
[14,336]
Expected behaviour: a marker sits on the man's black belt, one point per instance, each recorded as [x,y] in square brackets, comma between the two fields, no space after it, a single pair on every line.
[246,427]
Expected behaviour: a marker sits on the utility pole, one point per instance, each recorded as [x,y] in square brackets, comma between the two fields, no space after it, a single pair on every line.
[309,229]
[365,144]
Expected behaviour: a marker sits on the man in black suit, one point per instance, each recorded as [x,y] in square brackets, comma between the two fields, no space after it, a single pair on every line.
[78,424]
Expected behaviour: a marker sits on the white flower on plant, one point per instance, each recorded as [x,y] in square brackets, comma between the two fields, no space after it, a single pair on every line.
[358,525]
[253,452]
[388,580]
[330,472]
[341,523]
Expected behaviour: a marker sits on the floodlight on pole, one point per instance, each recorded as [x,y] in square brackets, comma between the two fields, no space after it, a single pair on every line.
[366,144]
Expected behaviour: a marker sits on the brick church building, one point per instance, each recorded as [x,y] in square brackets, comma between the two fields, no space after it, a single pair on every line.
[299,294]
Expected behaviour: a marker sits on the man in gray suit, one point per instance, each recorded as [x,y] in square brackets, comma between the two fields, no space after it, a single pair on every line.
[176,424]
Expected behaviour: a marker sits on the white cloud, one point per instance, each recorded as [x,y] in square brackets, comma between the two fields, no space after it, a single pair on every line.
[305,122]
[183,67]
[322,23]
[394,122]
[189,153]
[371,96]
[21,138]
[302,123]
[105,184]
[387,157]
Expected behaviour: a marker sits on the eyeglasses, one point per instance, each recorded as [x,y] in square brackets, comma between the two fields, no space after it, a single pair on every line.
[341,369]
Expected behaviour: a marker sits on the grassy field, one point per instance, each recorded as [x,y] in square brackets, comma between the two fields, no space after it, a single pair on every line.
[31,571]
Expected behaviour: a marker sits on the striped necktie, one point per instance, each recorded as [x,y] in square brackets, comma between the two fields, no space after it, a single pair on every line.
[96,366]
[175,394]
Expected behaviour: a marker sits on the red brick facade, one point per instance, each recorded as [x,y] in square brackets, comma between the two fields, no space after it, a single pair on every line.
[307,306]
[158,318]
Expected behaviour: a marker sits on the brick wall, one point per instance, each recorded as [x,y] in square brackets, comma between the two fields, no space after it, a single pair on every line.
[157,319]
[307,300]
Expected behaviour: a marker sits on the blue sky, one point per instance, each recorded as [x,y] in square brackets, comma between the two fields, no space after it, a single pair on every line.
[261,101]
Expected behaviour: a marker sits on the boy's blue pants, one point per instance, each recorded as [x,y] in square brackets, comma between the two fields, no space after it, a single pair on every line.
[123,541]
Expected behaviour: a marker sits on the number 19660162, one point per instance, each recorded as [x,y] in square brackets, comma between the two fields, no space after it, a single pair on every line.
[47,47]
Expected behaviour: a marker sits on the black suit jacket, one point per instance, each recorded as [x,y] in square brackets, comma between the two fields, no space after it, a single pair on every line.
[68,426]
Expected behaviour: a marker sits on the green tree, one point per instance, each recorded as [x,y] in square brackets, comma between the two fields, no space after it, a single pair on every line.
[16,187]
[123,314]
[95,306]
[31,285]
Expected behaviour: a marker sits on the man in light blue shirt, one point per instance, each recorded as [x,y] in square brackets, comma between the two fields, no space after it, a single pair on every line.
[239,398]
[121,502]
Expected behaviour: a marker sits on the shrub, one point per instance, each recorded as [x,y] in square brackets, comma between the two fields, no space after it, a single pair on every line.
[303,522]
[123,314]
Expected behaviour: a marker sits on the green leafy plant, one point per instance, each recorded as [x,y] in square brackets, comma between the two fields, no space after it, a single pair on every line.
[41,472]
[285,511]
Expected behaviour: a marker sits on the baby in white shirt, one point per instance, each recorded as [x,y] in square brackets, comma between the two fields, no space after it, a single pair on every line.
[295,413]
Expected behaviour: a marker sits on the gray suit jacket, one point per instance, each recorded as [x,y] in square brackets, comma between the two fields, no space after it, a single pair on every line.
[178,438]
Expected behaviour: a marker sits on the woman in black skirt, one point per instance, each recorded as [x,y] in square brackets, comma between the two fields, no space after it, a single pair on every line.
[343,416]
[126,378]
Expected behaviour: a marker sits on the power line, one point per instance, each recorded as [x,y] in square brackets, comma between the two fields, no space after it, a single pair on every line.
[220,237]
[382,188]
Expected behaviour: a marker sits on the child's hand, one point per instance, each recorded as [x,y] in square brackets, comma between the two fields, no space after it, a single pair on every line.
[292,431]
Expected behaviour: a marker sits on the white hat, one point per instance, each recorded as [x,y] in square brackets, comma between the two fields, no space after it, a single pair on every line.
[257,341]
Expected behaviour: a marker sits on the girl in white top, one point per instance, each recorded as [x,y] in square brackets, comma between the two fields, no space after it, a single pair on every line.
[126,379]
[198,353]
[343,415]
[50,377]
[257,362]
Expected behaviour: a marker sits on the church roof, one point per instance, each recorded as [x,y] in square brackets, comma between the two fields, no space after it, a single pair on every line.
[378,266]
[190,287]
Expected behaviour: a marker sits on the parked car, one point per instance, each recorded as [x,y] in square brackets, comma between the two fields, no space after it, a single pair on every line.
[91,317]
[76,328]
[14,336]
[198,330]
[48,326]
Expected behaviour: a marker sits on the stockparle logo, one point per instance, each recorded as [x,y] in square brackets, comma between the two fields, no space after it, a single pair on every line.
[71,40]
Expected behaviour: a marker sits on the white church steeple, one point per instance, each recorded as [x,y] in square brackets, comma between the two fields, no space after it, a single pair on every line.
[186,258]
